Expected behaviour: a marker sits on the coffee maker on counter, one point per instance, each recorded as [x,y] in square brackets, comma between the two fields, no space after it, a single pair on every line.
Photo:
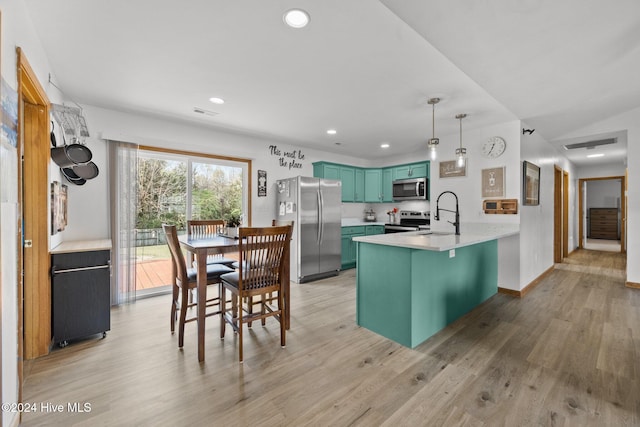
[369,215]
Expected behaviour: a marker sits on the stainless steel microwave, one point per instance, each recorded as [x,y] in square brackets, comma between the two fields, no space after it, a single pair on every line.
[410,189]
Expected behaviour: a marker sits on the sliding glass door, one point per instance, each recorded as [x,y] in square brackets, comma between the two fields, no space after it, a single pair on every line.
[173,188]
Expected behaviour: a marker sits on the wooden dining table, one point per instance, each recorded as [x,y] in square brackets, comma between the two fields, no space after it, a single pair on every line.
[200,247]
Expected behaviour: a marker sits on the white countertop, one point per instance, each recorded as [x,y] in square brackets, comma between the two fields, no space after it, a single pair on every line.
[443,240]
[82,246]
[349,222]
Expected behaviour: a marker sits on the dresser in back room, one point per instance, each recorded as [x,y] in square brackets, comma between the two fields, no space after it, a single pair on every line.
[603,223]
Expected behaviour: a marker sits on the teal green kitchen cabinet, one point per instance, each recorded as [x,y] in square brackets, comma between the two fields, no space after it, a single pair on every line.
[352,184]
[373,185]
[349,246]
[352,179]
[370,230]
[387,185]
[326,170]
[413,170]
[348,178]
[369,185]
[359,193]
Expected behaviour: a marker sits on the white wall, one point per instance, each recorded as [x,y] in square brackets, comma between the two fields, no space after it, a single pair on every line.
[603,193]
[600,171]
[105,124]
[536,222]
[469,189]
[17,31]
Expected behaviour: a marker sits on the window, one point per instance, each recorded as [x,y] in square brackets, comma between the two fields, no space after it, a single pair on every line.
[172,188]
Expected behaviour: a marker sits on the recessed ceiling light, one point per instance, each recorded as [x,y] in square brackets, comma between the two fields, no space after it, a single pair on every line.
[385,145]
[595,155]
[332,132]
[216,100]
[296,18]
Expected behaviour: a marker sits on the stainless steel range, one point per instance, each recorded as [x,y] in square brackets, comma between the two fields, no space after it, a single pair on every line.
[410,221]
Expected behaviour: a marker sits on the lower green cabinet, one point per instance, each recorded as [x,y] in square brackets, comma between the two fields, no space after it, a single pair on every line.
[349,246]
[370,230]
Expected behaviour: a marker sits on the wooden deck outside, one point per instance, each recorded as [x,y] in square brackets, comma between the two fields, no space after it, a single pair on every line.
[157,272]
[153,273]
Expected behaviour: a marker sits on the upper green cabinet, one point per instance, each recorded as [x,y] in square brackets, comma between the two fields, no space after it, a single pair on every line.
[326,170]
[369,185]
[359,193]
[413,170]
[373,185]
[348,178]
[352,184]
[352,179]
[387,185]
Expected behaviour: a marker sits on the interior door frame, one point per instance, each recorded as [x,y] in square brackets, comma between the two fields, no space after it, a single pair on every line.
[565,213]
[623,208]
[557,215]
[34,288]
[560,214]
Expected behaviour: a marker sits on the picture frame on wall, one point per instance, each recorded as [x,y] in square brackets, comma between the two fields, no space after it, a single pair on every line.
[493,182]
[450,169]
[59,196]
[262,183]
[530,184]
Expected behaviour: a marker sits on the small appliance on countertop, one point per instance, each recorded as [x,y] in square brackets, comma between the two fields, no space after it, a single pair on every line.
[369,215]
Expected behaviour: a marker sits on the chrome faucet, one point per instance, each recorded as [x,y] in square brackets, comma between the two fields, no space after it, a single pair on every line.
[456,224]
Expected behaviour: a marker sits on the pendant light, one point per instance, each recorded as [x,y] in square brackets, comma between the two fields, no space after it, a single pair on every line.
[461,153]
[432,143]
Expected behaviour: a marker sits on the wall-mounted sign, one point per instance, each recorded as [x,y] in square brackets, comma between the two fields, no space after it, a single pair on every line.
[450,169]
[262,183]
[287,159]
[493,182]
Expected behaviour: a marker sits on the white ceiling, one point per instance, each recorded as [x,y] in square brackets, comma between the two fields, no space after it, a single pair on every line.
[365,68]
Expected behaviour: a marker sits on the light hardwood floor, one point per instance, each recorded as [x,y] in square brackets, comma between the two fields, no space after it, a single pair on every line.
[568,354]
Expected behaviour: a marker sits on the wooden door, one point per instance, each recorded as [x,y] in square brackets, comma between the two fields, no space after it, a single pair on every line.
[557,214]
[35,289]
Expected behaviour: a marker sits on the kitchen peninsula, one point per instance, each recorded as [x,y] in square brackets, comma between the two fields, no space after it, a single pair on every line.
[411,285]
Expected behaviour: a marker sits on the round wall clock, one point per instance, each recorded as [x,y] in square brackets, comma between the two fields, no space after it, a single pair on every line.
[494,147]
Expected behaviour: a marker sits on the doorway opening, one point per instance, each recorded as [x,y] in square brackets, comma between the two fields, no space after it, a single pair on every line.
[602,214]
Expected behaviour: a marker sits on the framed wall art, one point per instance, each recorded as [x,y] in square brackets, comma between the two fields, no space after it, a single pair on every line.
[262,183]
[58,207]
[493,182]
[530,184]
[450,168]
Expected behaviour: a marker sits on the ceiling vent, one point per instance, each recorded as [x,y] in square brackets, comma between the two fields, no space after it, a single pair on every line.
[591,144]
[205,112]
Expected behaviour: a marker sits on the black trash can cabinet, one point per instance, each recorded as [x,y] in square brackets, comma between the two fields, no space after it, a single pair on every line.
[80,295]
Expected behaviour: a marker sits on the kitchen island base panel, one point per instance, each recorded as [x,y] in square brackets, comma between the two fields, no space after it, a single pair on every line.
[408,295]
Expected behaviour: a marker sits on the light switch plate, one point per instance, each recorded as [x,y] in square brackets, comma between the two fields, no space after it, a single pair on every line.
[452,253]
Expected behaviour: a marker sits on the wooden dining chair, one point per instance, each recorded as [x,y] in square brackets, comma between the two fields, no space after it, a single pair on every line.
[203,228]
[270,297]
[184,280]
[263,253]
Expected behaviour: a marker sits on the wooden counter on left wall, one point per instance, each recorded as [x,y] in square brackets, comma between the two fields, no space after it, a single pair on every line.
[82,246]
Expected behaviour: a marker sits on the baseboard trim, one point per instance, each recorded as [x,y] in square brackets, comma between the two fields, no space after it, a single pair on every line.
[510,292]
[522,292]
[632,285]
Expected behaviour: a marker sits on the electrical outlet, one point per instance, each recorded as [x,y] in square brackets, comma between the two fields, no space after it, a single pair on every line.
[452,253]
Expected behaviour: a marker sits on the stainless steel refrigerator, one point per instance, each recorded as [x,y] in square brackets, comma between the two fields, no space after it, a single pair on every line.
[314,205]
